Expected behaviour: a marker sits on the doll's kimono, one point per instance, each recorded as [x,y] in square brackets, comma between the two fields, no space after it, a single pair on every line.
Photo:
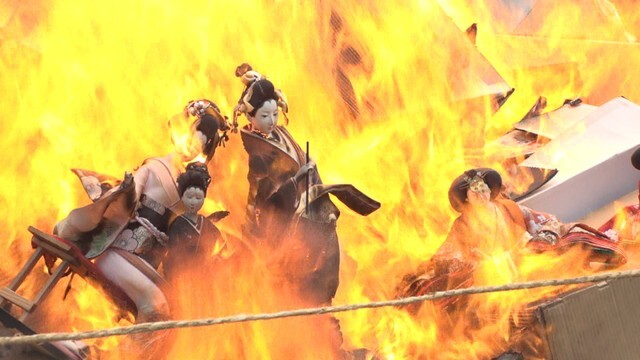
[279,218]
[191,245]
[513,229]
[119,218]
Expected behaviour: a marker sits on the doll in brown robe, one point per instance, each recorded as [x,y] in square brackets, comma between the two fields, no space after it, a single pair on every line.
[278,215]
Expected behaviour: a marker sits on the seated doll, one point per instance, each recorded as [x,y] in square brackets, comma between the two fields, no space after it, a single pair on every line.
[489,221]
[192,237]
[125,225]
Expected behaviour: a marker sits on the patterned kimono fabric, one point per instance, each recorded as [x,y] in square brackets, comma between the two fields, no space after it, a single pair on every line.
[305,248]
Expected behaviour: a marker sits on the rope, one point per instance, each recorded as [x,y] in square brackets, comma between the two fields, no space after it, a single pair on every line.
[164,325]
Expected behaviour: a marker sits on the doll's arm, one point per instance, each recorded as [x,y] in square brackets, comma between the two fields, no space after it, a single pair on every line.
[140,179]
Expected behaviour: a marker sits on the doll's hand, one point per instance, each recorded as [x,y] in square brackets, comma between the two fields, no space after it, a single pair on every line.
[127,181]
[308,167]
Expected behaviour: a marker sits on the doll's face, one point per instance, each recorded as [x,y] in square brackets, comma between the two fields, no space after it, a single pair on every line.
[193,199]
[478,193]
[266,117]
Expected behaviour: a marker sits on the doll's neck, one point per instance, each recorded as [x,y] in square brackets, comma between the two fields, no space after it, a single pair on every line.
[191,216]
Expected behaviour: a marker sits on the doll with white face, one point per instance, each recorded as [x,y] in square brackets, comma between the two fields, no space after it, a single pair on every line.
[265,118]
[276,161]
[192,236]
[279,219]
[488,220]
[193,199]
[125,228]
[295,233]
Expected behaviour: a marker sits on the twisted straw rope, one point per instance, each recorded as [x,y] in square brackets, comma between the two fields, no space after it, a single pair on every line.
[164,325]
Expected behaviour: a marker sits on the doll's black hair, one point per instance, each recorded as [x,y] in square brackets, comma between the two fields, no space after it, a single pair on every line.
[635,159]
[263,91]
[196,175]
[459,186]
[209,126]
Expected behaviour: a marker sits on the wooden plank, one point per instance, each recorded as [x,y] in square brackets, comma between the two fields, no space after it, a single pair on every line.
[26,269]
[50,239]
[16,299]
[48,286]
[54,250]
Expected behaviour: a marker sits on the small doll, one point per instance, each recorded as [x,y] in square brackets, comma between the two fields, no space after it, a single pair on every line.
[192,237]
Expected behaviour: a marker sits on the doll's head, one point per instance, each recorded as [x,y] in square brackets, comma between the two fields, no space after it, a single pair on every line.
[260,100]
[478,192]
[264,116]
[207,127]
[473,187]
[192,186]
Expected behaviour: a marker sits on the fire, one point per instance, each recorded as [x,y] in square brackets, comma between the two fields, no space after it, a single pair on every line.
[373,86]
